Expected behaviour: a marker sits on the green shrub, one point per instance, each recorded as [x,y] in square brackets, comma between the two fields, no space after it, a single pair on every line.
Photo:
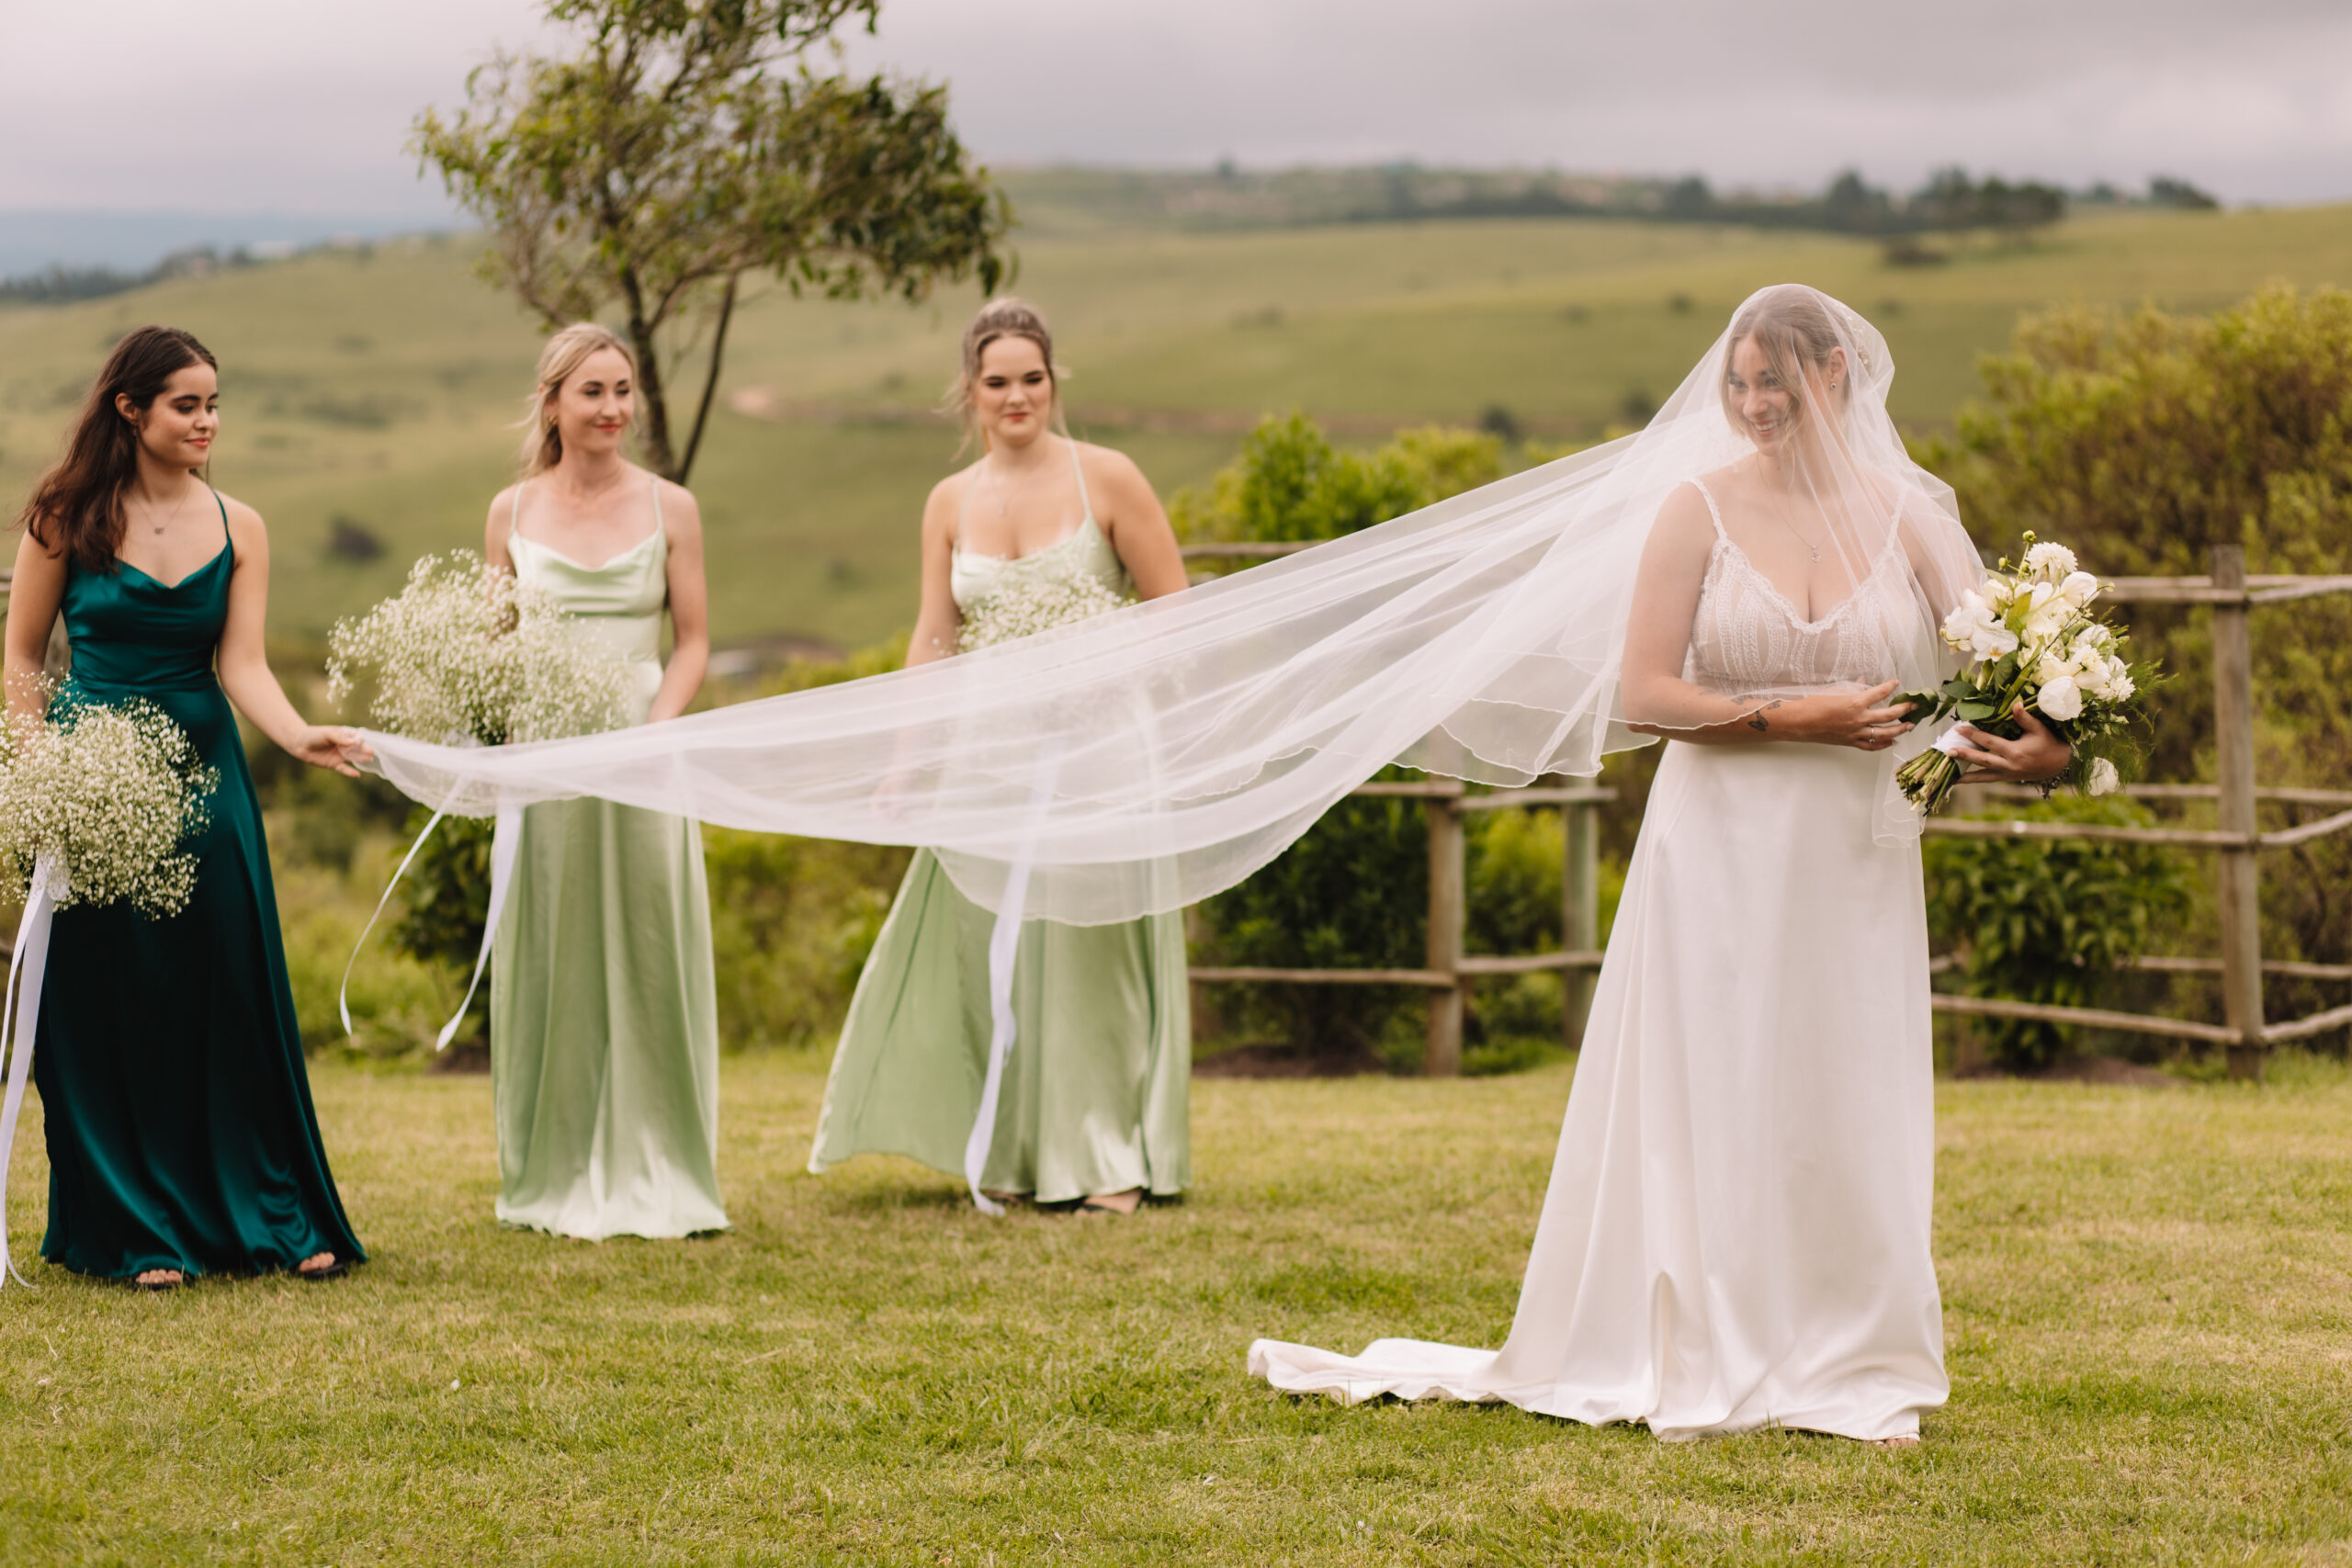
[2142,440]
[792,921]
[1352,893]
[1291,483]
[2048,920]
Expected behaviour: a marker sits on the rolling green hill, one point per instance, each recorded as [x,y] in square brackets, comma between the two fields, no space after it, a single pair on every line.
[378,386]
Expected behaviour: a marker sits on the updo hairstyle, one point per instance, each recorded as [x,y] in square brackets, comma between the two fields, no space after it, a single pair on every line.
[997,319]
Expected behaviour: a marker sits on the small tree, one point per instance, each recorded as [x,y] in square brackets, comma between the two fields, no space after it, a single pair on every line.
[687,145]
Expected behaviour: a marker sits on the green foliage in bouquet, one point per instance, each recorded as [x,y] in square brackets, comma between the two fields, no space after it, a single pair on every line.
[2031,638]
[2048,920]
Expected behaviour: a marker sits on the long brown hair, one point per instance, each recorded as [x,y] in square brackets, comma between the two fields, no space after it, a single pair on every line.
[78,503]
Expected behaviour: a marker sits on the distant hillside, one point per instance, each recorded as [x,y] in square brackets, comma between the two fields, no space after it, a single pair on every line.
[370,394]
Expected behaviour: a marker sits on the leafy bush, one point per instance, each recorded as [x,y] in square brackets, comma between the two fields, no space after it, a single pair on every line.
[1353,893]
[792,921]
[2048,920]
[2143,440]
[1291,483]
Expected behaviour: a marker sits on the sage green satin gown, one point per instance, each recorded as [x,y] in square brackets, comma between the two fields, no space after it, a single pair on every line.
[604,1013]
[174,1097]
[1097,1090]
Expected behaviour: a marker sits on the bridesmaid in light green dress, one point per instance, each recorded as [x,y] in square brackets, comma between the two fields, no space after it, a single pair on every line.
[1094,1107]
[603,1016]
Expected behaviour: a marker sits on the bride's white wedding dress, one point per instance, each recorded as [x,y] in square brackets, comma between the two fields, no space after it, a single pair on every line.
[1736,1232]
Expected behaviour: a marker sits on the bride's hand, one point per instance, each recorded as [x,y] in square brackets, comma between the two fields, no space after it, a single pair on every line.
[2036,755]
[1858,719]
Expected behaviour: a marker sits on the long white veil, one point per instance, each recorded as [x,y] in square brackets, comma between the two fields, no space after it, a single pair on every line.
[1141,760]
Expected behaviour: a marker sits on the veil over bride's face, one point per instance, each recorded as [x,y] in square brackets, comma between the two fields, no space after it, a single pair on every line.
[1760,400]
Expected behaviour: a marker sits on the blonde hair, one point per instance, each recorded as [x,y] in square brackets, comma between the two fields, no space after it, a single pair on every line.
[997,319]
[542,439]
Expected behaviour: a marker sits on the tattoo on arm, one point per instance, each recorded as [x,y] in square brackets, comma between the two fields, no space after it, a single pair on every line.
[1759,723]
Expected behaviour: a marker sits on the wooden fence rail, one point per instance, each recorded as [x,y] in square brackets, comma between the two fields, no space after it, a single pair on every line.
[2236,838]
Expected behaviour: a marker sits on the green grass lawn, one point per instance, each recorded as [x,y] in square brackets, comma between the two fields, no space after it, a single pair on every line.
[2148,1295]
[379,386]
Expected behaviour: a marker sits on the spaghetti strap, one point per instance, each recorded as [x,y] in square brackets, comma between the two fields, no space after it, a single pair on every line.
[223,505]
[1085,501]
[1709,497]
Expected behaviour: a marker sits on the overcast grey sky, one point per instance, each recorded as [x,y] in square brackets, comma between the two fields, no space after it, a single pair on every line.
[301,105]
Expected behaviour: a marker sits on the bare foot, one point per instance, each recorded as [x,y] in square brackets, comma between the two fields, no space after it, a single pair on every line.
[1895,1443]
[159,1277]
[1114,1202]
[317,1263]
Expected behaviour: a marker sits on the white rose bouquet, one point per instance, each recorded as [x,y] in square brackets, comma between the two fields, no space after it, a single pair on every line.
[100,802]
[2030,637]
[465,652]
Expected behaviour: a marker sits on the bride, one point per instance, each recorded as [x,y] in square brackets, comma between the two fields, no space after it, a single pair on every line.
[1736,1233]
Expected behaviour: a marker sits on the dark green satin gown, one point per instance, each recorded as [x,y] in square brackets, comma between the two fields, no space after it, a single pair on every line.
[173,1092]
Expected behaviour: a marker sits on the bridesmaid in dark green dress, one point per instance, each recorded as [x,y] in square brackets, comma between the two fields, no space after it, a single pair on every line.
[181,1137]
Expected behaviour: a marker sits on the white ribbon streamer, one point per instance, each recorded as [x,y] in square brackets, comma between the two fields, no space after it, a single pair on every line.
[343,997]
[1005,947]
[505,839]
[22,1008]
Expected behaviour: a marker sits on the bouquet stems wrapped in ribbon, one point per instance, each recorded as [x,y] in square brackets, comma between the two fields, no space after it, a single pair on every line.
[469,655]
[98,805]
[2031,639]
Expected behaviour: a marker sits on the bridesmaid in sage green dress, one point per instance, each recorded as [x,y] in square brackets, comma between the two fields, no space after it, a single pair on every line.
[604,1015]
[1096,1104]
[173,1097]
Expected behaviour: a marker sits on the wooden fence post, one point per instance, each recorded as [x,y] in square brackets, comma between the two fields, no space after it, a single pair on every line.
[2238,882]
[1579,912]
[1442,1056]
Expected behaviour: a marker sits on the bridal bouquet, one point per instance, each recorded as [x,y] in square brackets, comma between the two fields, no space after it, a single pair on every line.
[1033,607]
[468,653]
[2030,637]
[99,803]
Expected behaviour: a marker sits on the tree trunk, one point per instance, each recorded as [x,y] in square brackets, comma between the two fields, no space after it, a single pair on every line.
[709,381]
[648,383]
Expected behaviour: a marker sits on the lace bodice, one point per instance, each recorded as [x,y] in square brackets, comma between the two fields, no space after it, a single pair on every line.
[1747,638]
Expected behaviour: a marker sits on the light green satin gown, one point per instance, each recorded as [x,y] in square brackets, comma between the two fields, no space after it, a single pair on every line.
[604,1013]
[1097,1090]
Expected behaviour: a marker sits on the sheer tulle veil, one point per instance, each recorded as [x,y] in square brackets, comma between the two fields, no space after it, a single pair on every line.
[1141,760]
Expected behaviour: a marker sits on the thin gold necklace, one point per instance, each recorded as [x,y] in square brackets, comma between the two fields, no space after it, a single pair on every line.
[174,515]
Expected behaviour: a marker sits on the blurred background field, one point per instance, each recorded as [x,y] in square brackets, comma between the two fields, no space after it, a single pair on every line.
[368,390]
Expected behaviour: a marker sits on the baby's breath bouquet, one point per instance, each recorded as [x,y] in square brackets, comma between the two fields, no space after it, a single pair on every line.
[468,653]
[101,801]
[2032,639]
[1028,608]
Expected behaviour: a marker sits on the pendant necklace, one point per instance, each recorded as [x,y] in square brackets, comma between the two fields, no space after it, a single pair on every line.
[174,515]
[1780,515]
